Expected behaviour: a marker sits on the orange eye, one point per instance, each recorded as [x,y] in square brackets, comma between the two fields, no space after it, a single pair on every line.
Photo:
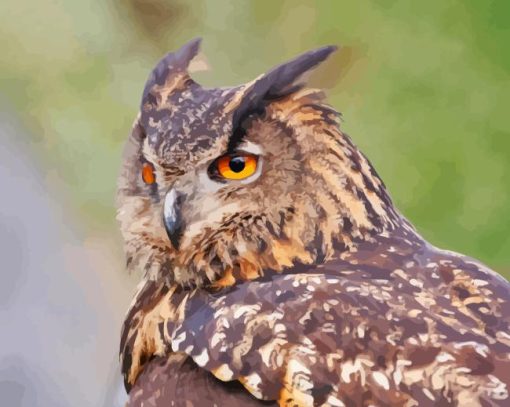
[148,175]
[237,167]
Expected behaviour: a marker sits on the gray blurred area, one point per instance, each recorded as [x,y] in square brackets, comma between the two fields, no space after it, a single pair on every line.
[62,295]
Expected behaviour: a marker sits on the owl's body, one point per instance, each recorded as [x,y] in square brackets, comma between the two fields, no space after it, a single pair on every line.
[299,284]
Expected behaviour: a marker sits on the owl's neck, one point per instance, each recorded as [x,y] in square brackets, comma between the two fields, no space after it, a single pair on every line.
[349,198]
[341,204]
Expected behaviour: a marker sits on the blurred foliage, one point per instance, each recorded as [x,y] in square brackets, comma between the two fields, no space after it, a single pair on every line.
[424,88]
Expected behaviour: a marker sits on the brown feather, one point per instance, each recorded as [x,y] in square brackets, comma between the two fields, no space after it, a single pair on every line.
[304,286]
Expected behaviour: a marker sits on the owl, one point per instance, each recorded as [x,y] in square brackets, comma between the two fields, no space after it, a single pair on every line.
[275,268]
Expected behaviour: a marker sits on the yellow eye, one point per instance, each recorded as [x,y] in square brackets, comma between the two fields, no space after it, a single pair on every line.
[237,166]
[148,175]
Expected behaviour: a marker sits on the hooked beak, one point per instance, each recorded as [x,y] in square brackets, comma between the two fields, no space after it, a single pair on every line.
[172,216]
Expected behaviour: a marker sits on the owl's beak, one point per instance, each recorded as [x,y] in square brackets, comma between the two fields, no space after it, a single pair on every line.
[172,216]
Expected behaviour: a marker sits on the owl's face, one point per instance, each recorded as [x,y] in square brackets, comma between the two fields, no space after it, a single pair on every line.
[218,184]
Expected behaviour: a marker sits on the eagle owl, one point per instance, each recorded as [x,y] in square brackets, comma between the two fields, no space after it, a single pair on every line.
[276,269]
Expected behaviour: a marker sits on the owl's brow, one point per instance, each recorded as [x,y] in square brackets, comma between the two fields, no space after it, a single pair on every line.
[150,155]
[235,139]
[239,133]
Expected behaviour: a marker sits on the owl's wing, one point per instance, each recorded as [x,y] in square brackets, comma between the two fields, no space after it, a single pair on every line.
[434,333]
[176,381]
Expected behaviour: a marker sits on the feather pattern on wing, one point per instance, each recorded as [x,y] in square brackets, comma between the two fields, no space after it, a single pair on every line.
[398,322]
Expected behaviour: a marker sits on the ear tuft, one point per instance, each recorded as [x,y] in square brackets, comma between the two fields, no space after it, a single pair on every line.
[280,81]
[284,78]
[172,64]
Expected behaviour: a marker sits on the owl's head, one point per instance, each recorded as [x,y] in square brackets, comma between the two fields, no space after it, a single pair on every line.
[223,184]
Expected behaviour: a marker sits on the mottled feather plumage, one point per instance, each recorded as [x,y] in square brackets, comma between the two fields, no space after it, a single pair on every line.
[306,286]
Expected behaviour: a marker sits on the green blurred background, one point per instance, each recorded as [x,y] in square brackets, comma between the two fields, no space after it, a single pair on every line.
[424,88]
